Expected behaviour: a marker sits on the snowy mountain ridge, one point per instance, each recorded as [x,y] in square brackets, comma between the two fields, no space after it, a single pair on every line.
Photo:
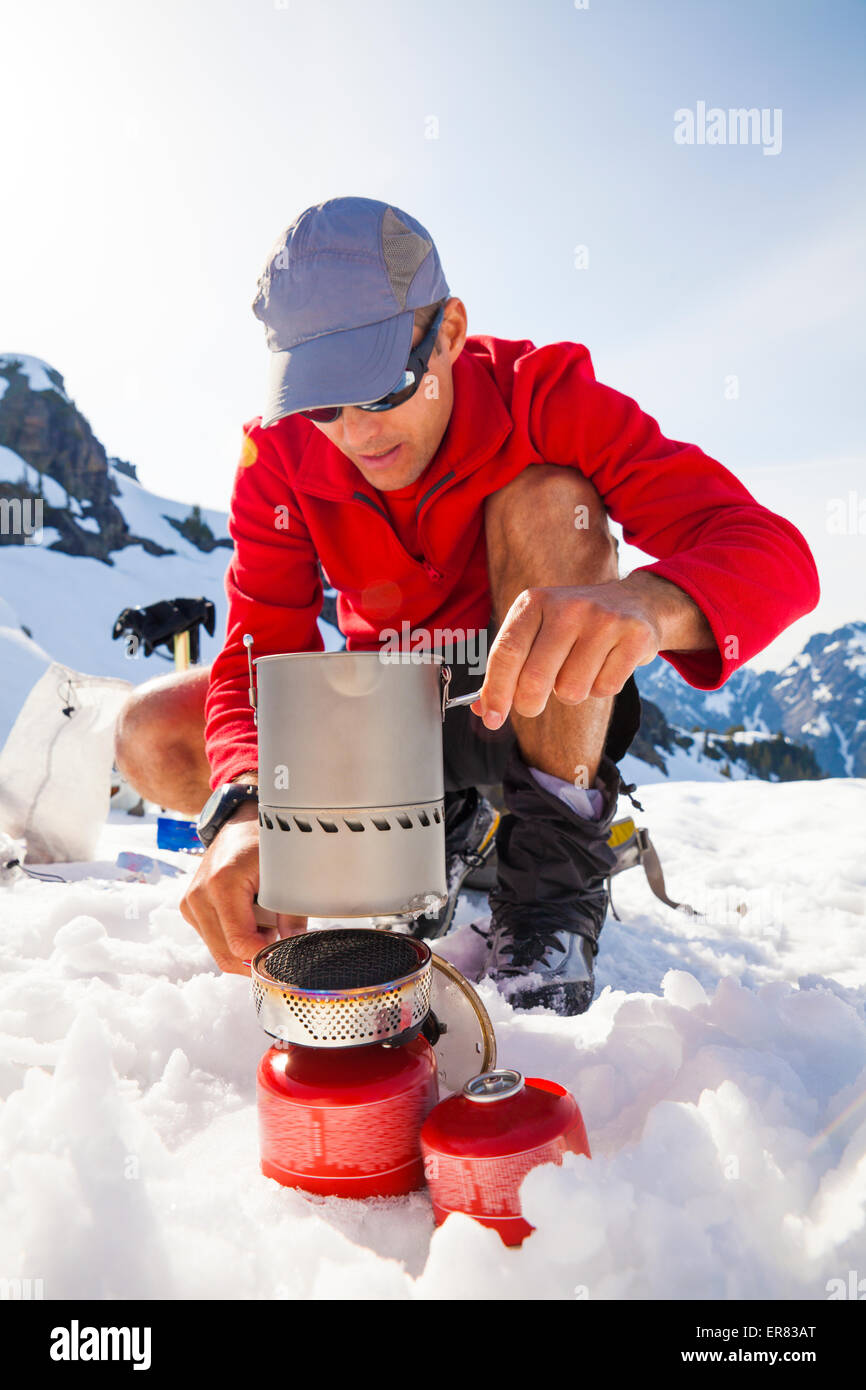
[818,699]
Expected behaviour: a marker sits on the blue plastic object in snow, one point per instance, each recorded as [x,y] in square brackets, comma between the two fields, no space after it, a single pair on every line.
[178,835]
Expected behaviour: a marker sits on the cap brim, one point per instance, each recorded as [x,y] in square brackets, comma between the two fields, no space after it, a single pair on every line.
[354,367]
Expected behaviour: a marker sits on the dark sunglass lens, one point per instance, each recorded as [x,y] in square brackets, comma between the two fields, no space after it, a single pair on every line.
[395,398]
[326,415]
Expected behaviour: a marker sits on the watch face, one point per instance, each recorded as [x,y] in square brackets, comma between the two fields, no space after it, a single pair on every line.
[209,807]
[220,805]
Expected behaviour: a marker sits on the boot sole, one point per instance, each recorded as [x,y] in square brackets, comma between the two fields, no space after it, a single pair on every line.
[566,999]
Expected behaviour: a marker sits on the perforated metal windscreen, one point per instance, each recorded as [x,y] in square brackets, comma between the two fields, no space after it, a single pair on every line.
[346,959]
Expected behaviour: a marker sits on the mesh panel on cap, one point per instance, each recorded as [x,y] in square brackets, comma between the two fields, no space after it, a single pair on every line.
[404,250]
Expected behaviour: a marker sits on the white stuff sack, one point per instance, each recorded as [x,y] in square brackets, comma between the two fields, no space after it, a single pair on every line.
[55,767]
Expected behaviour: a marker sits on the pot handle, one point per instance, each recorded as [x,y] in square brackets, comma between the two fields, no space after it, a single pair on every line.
[253,692]
[455,701]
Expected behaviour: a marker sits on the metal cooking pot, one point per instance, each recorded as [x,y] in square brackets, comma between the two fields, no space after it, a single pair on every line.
[351,782]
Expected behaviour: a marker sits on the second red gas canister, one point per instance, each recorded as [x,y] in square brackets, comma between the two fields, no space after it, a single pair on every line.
[479,1145]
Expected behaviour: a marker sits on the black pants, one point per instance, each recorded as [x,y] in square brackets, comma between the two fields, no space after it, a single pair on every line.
[476,756]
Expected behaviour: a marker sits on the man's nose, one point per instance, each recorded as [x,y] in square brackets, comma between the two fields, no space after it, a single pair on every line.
[360,429]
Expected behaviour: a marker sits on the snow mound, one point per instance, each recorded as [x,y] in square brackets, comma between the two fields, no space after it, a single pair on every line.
[721,1073]
[22,662]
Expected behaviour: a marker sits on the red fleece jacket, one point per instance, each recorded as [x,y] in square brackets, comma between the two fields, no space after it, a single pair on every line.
[298,500]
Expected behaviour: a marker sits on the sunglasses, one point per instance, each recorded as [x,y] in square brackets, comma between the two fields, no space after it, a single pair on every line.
[412,378]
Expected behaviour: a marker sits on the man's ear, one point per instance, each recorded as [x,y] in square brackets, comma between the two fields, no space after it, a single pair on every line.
[453,329]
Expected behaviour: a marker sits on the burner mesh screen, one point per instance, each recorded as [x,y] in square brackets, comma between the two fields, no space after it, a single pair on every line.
[345,959]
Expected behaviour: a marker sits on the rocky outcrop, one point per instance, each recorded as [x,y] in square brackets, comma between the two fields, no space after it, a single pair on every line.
[195,529]
[655,737]
[46,430]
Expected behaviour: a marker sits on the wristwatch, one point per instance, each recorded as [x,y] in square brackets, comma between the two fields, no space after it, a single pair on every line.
[221,804]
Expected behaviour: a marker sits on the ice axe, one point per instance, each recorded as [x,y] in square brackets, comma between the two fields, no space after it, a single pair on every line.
[171,623]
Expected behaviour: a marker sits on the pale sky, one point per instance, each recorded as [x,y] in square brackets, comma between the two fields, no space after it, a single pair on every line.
[153,152]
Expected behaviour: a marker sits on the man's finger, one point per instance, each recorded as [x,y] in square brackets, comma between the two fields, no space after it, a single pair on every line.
[537,681]
[232,901]
[208,926]
[615,671]
[578,672]
[509,651]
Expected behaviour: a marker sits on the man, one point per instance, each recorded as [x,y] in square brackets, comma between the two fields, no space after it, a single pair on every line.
[460,483]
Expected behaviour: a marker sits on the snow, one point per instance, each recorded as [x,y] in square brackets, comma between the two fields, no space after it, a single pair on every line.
[820,727]
[719,701]
[22,662]
[692,764]
[13,469]
[721,1072]
[759,722]
[35,370]
[145,513]
[70,602]
[682,765]
[845,750]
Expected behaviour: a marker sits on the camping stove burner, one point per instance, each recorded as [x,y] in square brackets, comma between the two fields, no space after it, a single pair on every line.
[342,959]
[345,987]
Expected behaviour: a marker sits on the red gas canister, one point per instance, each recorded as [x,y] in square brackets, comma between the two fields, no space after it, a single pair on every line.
[345,1122]
[344,1090]
[479,1145]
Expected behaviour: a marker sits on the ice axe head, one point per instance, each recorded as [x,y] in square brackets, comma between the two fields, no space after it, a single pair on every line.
[172,623]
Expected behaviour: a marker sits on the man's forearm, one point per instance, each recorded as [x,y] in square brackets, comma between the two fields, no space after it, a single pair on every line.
[682,624]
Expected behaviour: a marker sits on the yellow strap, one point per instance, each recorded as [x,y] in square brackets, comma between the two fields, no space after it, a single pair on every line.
[620,831]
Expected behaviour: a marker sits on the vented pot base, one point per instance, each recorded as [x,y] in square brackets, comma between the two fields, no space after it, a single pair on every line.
[352,862]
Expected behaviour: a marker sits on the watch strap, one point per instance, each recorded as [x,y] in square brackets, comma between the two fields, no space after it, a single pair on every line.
[232,795]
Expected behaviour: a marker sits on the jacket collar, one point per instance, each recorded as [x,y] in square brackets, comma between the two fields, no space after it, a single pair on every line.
[476,431]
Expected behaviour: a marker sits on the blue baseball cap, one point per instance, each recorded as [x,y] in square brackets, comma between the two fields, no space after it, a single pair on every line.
[338,297]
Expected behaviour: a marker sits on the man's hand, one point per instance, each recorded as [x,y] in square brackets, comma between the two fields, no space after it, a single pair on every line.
[580,642]
[219,901]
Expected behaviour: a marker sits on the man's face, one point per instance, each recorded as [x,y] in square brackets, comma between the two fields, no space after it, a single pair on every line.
[406,438]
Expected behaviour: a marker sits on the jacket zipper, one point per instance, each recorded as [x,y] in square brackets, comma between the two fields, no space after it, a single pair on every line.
[433,574]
